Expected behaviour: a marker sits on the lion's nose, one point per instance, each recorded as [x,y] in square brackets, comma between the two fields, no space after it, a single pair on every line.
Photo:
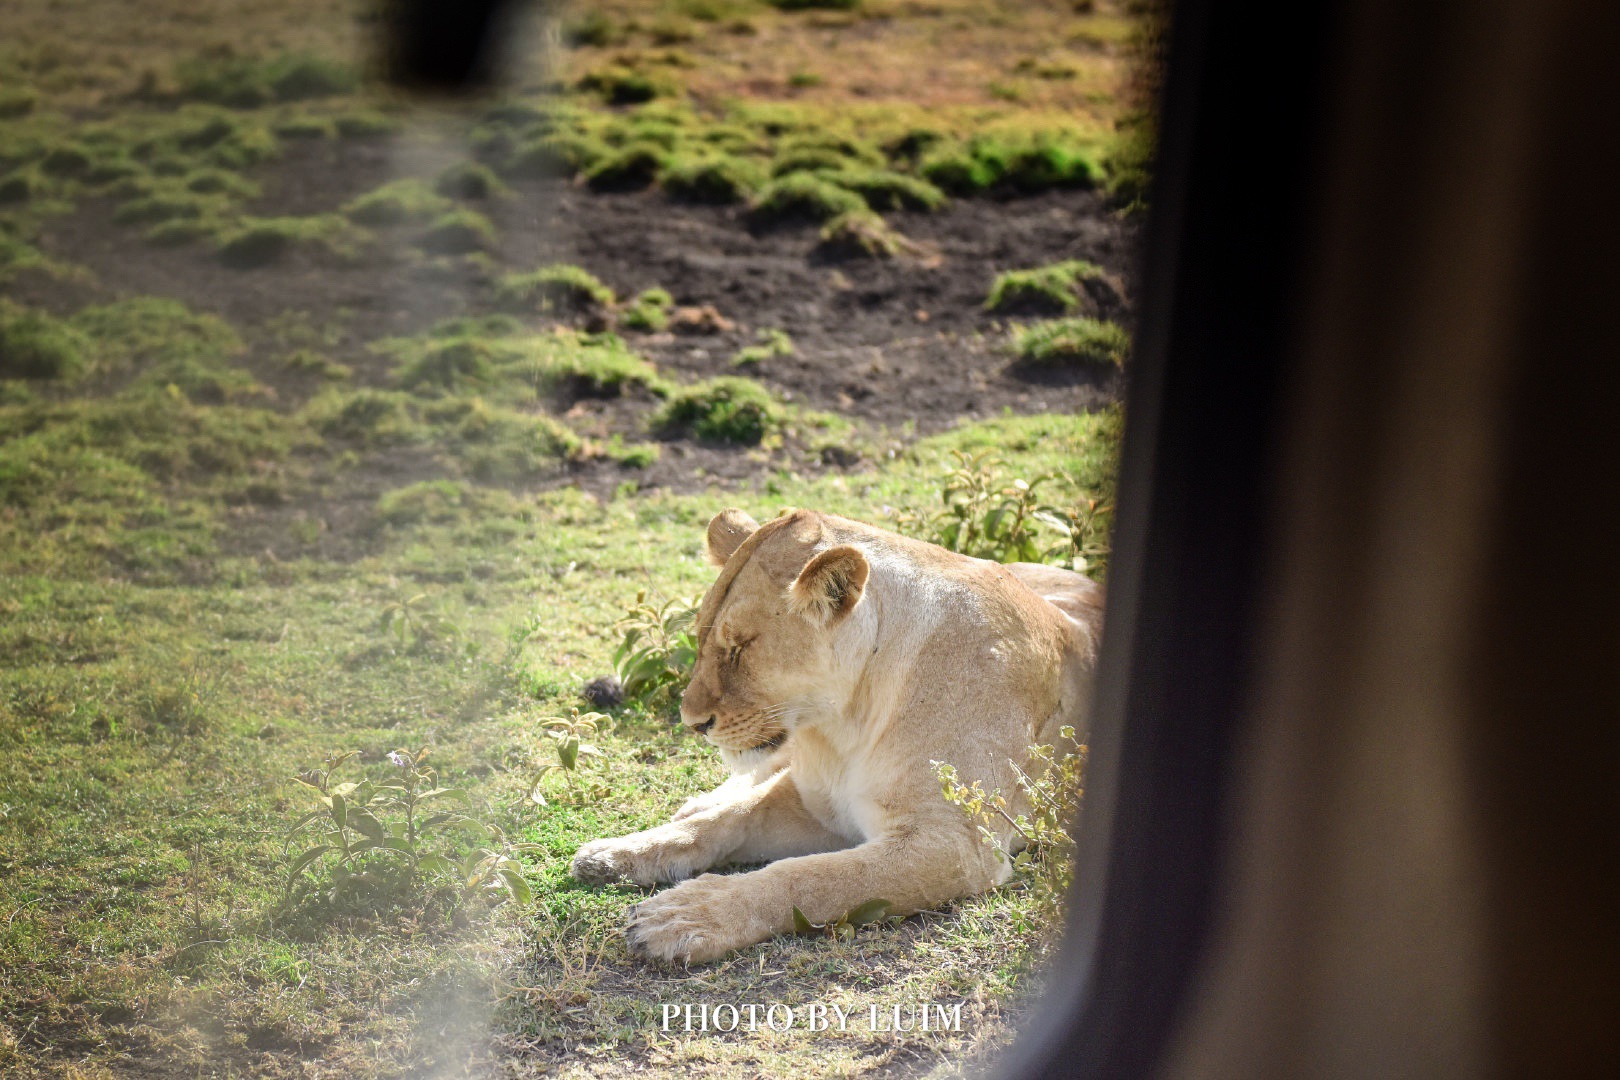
[703,728]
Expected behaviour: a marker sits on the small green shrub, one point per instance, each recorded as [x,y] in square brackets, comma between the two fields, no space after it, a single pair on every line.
[559,285]
[397,202]
[568,733]
[725,409]
[656,650]
[803,196]
[630,169]
[1053,289]
[712,178]
[1051,786]
[373,845]
[983,513]
[649,311]
[1071,341]
[34,345]
[458,232]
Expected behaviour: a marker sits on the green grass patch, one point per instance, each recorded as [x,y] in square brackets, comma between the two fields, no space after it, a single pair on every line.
[558,286]
[468,180]
[34,345]
[241,82]
[649,311]
[862,234]
[458,232]
[884,189]
[712,178]
[631,168]
[802,197]
[398,202]
[726,409]
[1062,342]
[251,242]
[1054,289]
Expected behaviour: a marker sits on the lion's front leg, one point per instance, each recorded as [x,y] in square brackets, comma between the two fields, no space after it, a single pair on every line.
[759,822]
[707,917]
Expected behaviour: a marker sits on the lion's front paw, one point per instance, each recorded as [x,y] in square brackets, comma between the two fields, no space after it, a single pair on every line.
[602,861]
[695,922]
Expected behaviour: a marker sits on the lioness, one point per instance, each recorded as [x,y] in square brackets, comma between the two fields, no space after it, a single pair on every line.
[835,660]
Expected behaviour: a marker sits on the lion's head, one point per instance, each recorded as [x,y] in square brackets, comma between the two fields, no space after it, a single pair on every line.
[766,628]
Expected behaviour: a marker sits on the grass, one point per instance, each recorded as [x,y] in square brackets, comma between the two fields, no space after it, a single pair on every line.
[799,197]
[1061,342]
[227,551]
[33,345]
[1054,289]
[861,234]
[398,202]
[167,863]
[555,286]
[727,409]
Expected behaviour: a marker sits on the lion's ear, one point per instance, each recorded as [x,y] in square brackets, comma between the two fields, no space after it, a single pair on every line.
[830,585]
[727,531]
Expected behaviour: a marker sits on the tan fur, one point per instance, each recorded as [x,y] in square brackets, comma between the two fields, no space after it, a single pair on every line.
[835,662]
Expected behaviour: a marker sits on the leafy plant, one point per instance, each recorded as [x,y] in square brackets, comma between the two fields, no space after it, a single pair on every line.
[368,841]
[988,516]
[1052,788]
[657,649]
[843,928]
[415,625]
[569,733]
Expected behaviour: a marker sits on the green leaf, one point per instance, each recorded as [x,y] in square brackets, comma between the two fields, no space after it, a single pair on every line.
[871,911]
[340,810]
[453,794]
[363,821]
[568,752]
[436,864]
[304,860]
[802,925]
[516,886]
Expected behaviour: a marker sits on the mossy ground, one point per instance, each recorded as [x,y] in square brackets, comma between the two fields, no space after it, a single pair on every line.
[217,511]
